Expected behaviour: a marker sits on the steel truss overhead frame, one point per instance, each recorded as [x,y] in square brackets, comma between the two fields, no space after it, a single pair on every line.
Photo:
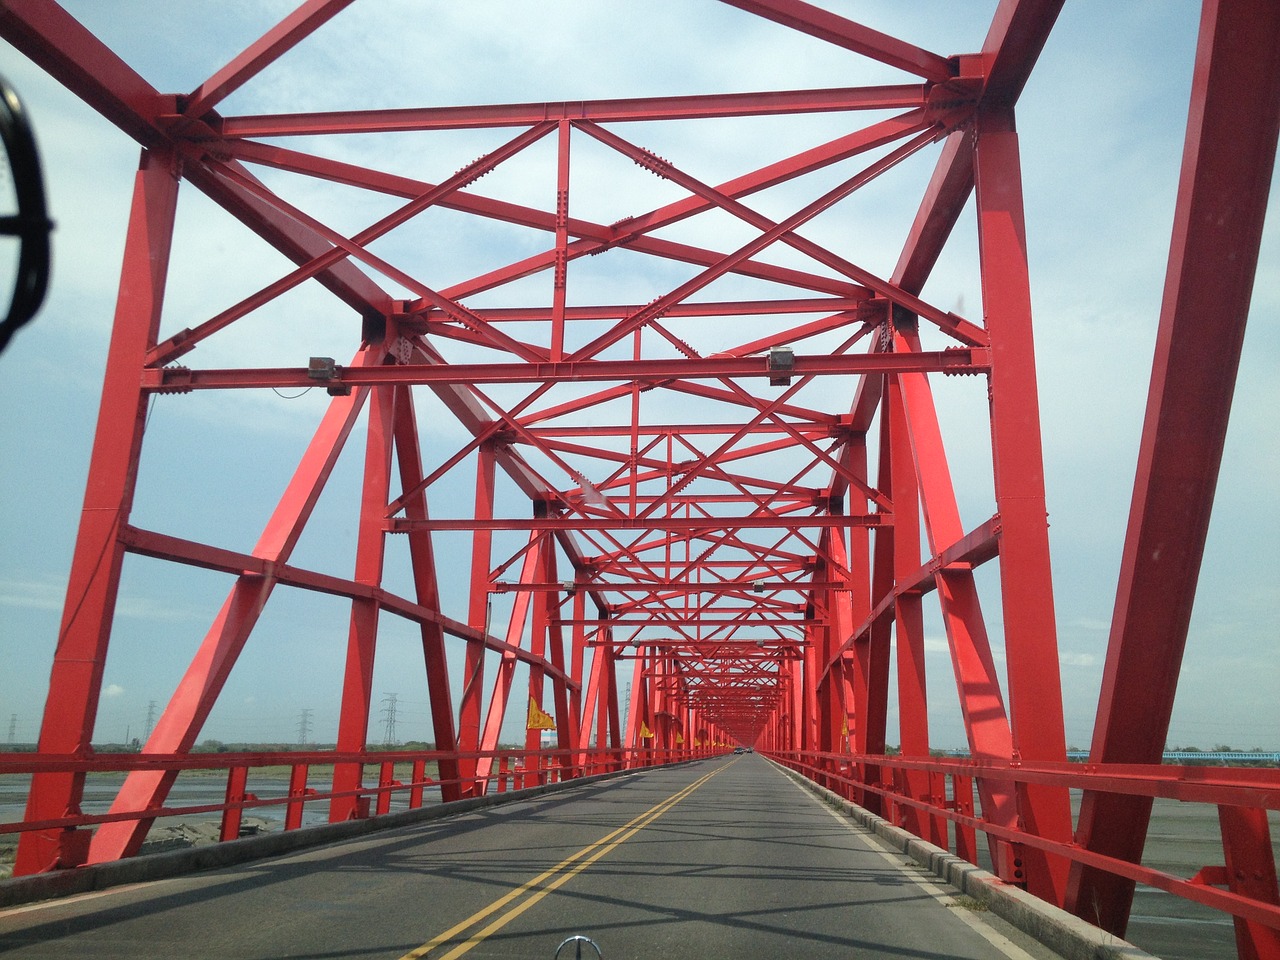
[730,501]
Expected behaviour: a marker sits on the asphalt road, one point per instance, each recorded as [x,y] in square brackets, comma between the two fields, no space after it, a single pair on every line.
[724,858]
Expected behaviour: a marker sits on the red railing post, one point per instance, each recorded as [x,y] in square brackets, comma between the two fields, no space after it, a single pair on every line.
[966,837]
[237,778]
[1250,872]
[386,781]
[297,793]
[418,780]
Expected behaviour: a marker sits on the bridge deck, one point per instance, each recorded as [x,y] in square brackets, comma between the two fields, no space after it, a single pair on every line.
[715,859]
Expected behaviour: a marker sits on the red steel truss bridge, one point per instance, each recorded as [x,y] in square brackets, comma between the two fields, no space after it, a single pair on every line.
[668,479]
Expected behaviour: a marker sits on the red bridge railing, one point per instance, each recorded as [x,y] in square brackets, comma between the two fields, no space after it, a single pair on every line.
[281,784]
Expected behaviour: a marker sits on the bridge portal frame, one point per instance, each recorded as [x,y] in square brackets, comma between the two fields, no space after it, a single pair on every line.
[820,695]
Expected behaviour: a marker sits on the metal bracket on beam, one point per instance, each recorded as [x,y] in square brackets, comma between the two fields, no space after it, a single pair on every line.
[782,364]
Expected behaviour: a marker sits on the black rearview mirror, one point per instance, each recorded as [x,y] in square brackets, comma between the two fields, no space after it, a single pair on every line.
[24,221]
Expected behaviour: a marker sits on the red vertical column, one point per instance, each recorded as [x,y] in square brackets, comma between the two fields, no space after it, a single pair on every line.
[843,604]
[659,723]
[828,706]
[76,680]
[422,556]
[542,604]
[610,713]
[592,710]
[1031,647]
[566,728]
[578,721]
[473,665]
[858,563]
[871,689]
[562,242]
[795,723]
[642,705]
[632,741]
[810,739]
[913,704]
[357,683]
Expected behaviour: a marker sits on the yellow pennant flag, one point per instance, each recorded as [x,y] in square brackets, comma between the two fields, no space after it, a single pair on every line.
[679,739]
[844,728]
[538,719]
[645,732]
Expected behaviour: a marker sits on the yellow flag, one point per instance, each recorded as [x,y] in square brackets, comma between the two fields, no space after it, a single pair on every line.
[844,728]
[645,732]
[679,739]
[538,720]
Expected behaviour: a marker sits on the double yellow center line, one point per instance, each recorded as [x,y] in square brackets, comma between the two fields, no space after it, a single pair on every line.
[525,896]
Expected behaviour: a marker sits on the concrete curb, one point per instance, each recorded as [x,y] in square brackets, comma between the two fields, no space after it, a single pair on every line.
[158,866]
[1062,932]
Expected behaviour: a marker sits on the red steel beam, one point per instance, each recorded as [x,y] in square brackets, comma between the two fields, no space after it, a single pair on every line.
[1227,165]
[76,681]
[68,52]
[707,106]
[295,27]
[712,308]
[1026,583]
[954,360]
[427,590]
[835,29]
[362,632]
[685,525]
[596,238]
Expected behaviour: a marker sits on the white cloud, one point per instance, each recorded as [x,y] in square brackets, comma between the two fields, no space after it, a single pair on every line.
[1069,659]
[32,594]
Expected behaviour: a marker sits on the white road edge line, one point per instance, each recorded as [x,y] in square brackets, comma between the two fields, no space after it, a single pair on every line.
[75,898]
[946,898]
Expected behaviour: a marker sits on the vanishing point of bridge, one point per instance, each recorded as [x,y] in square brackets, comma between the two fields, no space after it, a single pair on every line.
[645,484]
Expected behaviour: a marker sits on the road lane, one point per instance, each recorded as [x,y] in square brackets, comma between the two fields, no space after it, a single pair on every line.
[745,864]
[752,866]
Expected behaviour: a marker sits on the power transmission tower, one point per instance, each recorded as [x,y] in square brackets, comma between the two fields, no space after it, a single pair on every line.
[389,720]
[304,728]
[151,719]
[13,726]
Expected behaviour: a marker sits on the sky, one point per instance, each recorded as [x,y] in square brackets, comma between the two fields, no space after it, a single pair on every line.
[1101,126]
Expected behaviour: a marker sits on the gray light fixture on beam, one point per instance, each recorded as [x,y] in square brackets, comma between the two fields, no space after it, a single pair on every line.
[782,364]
